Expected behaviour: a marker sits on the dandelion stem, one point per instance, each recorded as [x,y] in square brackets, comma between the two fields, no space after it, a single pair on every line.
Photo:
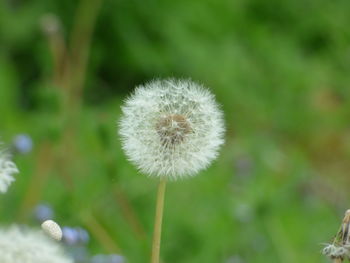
[158,221]
[337,260]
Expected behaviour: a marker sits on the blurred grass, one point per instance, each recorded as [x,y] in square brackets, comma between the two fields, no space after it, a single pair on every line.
[280,71]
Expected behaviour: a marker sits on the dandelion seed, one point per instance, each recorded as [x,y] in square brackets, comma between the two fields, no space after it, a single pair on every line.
[171,128]
[52,229]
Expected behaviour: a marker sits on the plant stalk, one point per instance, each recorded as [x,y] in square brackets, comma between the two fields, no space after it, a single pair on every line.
[337,260]
[158,221]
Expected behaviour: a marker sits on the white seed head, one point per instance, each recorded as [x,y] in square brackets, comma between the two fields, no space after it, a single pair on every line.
[51,228]
[330,250]
[7,169]
[29,246]
[334,251]
[171,128]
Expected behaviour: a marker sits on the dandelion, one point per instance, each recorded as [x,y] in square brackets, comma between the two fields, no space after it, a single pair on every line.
[170,129]
[29,246]
[340,248]
[7,169]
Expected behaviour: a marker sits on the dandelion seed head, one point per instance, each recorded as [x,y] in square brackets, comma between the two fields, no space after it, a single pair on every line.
[328,250]
[336,251]
[7,170]
[29,246]
[171,128]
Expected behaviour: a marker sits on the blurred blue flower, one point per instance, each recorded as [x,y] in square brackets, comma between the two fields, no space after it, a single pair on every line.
[75,235]
[70,235]
[22,143]
[43,212]
[83,235]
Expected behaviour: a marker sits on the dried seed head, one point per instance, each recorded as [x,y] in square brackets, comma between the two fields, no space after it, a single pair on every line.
[340,248]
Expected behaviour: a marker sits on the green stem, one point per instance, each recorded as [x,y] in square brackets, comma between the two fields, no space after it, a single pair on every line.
[337,260]
[158,221]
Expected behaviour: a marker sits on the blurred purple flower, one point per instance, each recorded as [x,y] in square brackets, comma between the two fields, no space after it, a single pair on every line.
[43,212]
[70,235]
[22,143]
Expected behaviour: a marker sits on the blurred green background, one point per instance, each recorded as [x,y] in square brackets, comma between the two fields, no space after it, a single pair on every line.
[280,70]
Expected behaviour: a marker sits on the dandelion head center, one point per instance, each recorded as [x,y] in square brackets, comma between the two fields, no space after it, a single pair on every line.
[173,129]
